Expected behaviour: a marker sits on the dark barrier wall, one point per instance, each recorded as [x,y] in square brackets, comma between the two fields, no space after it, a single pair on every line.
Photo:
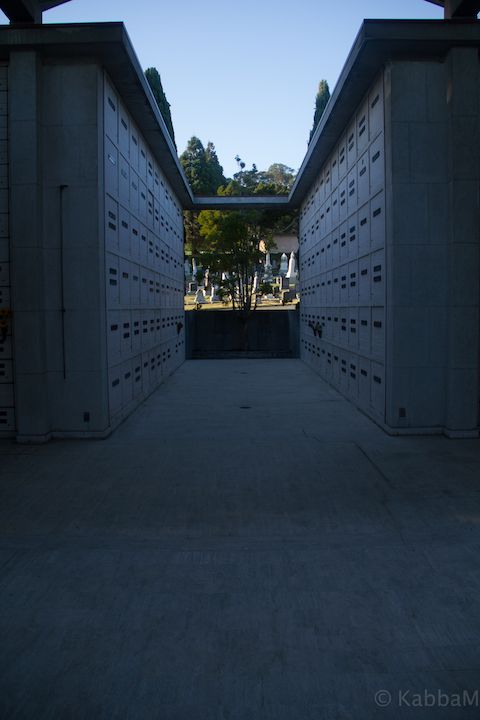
[222,334]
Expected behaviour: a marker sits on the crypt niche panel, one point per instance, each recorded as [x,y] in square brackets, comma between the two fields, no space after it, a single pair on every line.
[342,248]
[143,263]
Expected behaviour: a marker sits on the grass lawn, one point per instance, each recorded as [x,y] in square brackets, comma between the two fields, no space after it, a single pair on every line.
[189,302]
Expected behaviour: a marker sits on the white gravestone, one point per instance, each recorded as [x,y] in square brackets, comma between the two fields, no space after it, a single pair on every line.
[200,297]
[268,273]
[291,272]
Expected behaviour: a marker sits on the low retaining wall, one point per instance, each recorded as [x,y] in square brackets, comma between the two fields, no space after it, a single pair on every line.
[222,334]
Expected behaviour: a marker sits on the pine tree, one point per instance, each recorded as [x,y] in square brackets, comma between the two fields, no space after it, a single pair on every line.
[323,96]
[155,83]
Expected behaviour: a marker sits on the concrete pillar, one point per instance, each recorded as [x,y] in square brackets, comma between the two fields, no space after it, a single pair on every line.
[463,243]
[461,9]
[31,395]
[416,131]
[27,11]
[73,221]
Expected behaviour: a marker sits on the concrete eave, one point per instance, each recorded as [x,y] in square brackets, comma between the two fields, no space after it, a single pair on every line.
[49,4]
[255,202]
[458,8]
[377,42]
[27,11]
[109,44]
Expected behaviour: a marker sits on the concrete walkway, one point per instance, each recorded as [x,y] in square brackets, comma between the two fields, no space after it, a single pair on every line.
[247,545]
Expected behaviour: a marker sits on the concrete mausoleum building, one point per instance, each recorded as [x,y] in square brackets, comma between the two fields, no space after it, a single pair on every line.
[91,232]
[389,238]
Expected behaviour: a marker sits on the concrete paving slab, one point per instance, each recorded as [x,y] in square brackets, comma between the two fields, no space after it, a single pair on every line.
[246,545]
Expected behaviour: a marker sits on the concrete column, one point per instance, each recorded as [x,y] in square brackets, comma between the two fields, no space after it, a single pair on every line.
[416,130]
[74,254]
[461,9]
[31,395]
[463,242]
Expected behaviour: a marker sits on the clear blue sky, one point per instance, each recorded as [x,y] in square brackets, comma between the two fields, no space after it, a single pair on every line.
[243,74]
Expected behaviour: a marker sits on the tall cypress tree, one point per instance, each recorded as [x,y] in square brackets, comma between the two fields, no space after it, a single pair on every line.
[155,83]
[321,100]
[215,170]
[204,174]
[194,163]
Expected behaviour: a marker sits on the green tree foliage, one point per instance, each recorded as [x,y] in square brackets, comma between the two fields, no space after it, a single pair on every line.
[194,163]
[321,100]
[281,175]
[231,243]
[277,180]
[202,168]
[231,246]
[205,175]
[214,169]
[153,78]
[193,241]
[228,243]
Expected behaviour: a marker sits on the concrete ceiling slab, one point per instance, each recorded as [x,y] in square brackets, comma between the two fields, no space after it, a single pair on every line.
[28,11]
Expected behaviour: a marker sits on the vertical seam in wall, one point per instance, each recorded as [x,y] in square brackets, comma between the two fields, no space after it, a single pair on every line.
[386,257]
[101,210]
[8,317]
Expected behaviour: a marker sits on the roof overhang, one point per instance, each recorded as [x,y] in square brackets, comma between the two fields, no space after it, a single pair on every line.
[458,8]
[109,45]
[49,4]
[252,202]
[378,42]
[28,11]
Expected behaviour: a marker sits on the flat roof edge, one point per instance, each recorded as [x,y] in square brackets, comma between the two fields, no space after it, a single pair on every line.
[102,42]
[377,42]
[241,202]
